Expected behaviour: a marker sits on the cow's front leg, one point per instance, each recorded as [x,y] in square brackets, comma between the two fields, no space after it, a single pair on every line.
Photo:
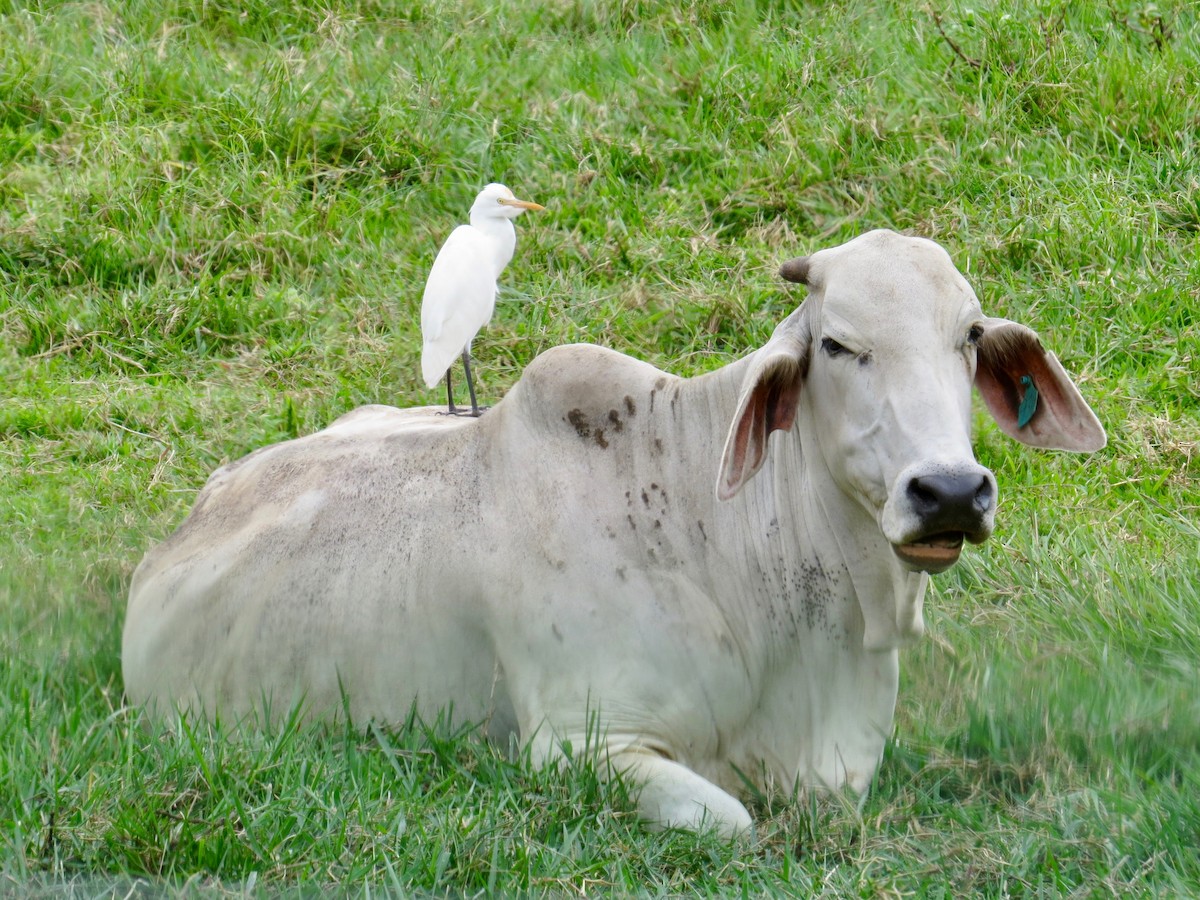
[670,795]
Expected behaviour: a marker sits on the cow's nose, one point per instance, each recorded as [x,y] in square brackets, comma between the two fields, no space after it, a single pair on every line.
[951,502]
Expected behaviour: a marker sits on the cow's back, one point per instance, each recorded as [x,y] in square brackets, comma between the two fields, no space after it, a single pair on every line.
[301,572]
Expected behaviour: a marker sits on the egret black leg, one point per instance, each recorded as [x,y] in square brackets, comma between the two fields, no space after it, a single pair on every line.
[466,358]
[450,395]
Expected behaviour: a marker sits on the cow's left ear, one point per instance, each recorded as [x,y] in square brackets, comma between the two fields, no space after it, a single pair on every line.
[770,392]
[1029,394]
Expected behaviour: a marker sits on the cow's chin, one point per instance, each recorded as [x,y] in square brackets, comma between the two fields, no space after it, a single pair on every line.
[932,553]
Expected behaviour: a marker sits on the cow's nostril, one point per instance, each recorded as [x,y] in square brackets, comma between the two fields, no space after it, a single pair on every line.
[984,495]
[923,494]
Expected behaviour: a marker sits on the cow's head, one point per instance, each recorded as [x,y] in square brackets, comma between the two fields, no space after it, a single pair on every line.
[883,353]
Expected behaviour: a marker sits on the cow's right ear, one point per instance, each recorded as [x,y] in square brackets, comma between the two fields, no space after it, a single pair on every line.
[768,401]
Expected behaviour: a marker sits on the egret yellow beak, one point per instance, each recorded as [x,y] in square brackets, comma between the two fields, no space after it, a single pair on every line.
[520,204]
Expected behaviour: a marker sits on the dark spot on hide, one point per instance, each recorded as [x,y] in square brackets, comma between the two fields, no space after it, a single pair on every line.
[658,386]
[558,634]
[704,535]
[621,573]
[811,590]
[630,408]
[657,446]
[646,499]
[657,523]
[632,524]
[585,429]
[807,594]
[579,421]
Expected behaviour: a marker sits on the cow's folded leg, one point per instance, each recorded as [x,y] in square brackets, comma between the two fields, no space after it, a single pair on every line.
[670,795]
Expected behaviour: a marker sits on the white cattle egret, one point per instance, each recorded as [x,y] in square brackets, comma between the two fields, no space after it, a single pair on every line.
[460,294]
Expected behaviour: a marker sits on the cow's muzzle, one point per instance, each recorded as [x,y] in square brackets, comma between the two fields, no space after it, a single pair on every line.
[949,508]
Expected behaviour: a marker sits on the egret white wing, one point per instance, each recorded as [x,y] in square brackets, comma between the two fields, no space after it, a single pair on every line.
[460,296]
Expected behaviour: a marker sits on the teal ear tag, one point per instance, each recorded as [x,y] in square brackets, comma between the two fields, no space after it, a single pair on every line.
[1028,403]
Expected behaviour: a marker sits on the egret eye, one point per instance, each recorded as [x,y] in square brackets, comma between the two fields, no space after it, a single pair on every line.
[832,347]
[974,336]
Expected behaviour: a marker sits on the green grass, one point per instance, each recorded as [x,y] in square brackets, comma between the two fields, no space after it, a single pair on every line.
[215,223]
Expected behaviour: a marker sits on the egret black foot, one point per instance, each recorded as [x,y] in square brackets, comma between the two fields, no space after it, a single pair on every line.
[463,413]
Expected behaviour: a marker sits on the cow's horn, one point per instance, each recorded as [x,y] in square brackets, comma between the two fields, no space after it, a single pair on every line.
[795,270]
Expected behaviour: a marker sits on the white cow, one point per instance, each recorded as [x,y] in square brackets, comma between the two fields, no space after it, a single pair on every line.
[563,569]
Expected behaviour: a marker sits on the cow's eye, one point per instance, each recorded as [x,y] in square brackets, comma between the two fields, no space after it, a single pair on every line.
[974,336]
[832,347]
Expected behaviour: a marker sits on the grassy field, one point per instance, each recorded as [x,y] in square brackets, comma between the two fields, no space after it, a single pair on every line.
[215,223]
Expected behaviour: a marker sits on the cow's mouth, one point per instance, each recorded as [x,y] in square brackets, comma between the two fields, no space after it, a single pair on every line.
[932,553]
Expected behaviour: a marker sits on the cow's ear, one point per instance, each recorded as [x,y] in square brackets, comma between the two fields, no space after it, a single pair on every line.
[768,401]
[1029,394]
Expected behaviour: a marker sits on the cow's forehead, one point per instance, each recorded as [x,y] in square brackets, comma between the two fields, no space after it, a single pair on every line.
[888,281]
